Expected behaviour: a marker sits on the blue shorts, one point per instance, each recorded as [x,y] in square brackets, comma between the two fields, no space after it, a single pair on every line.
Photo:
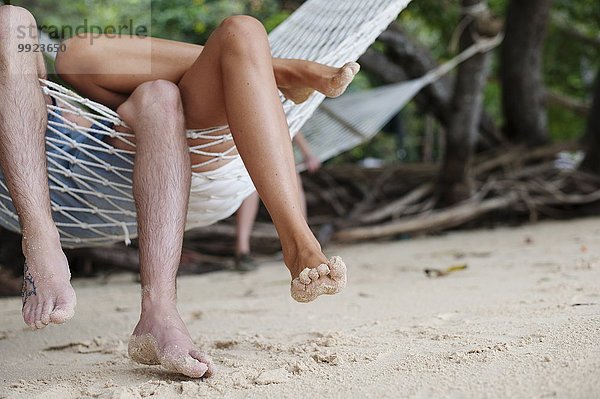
[84,206]
[91,187]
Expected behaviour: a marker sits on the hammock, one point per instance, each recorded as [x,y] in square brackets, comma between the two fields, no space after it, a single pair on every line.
[327,31]
[340,124]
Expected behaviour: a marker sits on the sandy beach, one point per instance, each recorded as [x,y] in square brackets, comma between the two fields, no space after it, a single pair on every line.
[522,321]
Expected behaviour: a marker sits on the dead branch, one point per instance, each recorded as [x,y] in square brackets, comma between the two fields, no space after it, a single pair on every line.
[437,220]
[397,206]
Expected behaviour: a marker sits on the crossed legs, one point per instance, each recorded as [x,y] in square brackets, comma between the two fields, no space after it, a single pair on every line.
[232,80]
[47,293]
[107,69]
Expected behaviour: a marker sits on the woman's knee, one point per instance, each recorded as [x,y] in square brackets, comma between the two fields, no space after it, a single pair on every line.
[241,32]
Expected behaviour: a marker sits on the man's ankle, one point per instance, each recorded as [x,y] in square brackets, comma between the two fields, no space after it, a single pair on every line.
[40,239]
[158,299]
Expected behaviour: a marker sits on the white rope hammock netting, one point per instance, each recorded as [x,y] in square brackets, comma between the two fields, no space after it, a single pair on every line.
[90,181]
[340,124]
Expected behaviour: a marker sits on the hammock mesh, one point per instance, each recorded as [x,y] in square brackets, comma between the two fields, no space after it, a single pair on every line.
[340,124]
[96,178]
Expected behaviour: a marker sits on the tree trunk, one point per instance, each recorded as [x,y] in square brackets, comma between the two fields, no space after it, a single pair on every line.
[521,71]
[416,60]
[454,181]
[591,140]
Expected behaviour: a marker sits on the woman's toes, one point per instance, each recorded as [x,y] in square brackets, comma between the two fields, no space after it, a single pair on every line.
[310,283]
[297,285]
[337,268]
[304,276]
[323,269]
[353,66]
[313,274]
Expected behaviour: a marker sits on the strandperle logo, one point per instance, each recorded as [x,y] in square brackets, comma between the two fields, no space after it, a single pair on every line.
[94,31]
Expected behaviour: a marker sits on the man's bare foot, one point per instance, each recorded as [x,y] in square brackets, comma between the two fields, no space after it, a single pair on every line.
[161,338]
[47,293]
[313,275]
[332,82]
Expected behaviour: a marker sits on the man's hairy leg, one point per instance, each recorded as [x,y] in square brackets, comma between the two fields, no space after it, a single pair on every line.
[47,293]
[161,187]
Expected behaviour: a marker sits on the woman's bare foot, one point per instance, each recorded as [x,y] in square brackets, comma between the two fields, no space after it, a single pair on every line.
[307,77]
[161,338]
[47,293]
[326,279]
[313,275]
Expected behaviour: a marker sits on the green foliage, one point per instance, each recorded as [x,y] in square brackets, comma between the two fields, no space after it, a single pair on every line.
[183,20]
[564,124]
[62,19]
[180,20]
[570,64]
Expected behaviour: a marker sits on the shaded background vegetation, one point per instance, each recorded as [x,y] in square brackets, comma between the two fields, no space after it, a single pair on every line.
[414,144]
[571,50]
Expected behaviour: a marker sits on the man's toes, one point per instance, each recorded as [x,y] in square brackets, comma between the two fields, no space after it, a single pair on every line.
[37,318]
[28,316]
[185,364]
[203,358]
[62,313]
[46,310]
[39,325]
[36,315]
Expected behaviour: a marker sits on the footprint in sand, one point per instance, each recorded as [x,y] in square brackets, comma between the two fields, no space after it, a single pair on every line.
[277,376]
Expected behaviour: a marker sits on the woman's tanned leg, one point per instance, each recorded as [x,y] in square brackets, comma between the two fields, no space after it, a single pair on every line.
[232,82]
[107,70]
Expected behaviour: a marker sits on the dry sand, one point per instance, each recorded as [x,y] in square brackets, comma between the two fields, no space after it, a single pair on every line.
[523,321]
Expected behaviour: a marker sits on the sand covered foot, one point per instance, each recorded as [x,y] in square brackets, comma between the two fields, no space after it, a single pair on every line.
[325,279]
[47,293]
[161,338]
[332,82]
